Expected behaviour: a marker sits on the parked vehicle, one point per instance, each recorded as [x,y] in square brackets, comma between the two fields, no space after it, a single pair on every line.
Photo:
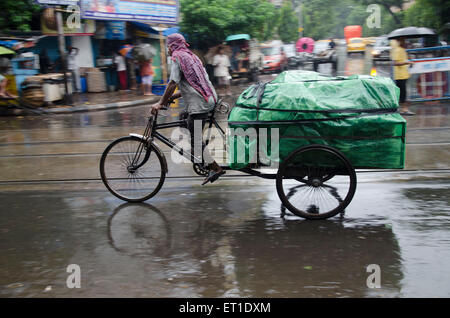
[324,54]
[274,60]
[292,56]
[247,60]
[356,45]
[381,50]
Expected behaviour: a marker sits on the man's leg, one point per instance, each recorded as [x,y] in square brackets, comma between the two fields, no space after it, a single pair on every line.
[122,80]
[77,80]
[74,81]
[197,144]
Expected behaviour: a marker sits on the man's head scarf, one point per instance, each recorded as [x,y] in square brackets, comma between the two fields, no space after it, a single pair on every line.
[190,64]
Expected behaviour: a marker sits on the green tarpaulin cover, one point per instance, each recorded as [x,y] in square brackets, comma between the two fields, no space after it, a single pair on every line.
[355,114]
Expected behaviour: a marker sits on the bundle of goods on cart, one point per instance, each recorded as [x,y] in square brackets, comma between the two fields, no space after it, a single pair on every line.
[356,115]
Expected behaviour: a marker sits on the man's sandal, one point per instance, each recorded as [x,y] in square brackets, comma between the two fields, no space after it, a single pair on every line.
[213,176]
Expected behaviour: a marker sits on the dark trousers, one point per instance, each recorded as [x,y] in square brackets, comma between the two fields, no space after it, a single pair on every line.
[402,85]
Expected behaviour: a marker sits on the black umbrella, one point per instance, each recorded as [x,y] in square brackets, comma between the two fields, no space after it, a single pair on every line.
[410,32]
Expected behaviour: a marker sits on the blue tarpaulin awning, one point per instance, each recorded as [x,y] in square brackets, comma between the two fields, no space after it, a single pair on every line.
[144,27]
[154,30]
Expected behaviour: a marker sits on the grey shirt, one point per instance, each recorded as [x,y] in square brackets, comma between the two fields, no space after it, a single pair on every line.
[195,103]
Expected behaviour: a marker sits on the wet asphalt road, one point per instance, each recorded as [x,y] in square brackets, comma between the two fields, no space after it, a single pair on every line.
[223,240]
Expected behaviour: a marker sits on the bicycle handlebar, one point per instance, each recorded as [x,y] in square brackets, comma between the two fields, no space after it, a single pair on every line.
[164,107]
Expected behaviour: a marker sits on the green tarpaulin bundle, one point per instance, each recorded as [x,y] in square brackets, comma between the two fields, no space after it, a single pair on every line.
[355,114]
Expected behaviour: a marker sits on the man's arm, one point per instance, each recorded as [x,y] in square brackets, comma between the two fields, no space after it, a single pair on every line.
[402,63]
[175,96]
[168,94]
[398,61]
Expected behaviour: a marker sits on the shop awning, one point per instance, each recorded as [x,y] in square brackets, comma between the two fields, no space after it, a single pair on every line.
[151,29]
[144,27]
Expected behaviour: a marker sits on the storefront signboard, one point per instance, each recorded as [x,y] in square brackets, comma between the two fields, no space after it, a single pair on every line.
[150,11]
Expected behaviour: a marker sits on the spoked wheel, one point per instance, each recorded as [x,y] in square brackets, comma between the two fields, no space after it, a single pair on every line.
[316,182]
[133,170]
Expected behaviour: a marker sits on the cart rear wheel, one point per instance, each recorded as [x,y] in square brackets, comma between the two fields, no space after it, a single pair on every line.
[316,182]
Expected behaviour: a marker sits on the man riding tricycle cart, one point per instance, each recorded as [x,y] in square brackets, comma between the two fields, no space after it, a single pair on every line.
[306,131]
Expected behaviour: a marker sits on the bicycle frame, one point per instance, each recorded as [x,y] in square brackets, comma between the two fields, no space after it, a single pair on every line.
[151,133]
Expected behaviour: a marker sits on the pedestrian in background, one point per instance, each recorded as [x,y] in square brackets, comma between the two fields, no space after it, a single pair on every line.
[221,63]
[131,73]
[401,73]
[331,44]
[147,77]
[121,71]
[72,66]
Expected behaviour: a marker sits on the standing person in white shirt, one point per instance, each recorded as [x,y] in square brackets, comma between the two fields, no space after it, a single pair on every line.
[221,63]
[121,71]
[72,66]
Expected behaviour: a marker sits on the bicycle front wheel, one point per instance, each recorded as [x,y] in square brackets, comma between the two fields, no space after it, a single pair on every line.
[132,169]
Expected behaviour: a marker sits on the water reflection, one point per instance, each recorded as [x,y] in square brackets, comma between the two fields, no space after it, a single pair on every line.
[239,251]
[315,259]
[227,241]
[139,230]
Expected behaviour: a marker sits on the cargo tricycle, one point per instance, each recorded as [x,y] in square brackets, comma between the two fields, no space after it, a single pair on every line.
[319,149]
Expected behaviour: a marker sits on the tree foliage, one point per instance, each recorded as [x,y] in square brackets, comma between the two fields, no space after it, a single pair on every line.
[428,13]
[208,22]
[338,15]
[17,14]
[288,23]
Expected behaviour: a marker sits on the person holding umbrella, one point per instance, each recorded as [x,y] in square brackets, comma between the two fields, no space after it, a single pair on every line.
[401,61]
[401,73]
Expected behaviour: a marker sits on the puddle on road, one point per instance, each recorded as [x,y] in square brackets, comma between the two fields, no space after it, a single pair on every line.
[226,241]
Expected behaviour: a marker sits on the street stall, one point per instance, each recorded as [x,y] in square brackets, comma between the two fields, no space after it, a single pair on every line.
[22,61]
[19,65]
[108,41]
[150,19]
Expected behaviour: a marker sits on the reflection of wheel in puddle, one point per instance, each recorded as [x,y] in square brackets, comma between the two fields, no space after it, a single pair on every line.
[139,230]
[312,208]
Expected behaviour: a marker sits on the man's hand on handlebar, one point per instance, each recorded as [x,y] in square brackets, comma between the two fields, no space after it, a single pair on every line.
[155,107]
[158,106]
[166,99]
